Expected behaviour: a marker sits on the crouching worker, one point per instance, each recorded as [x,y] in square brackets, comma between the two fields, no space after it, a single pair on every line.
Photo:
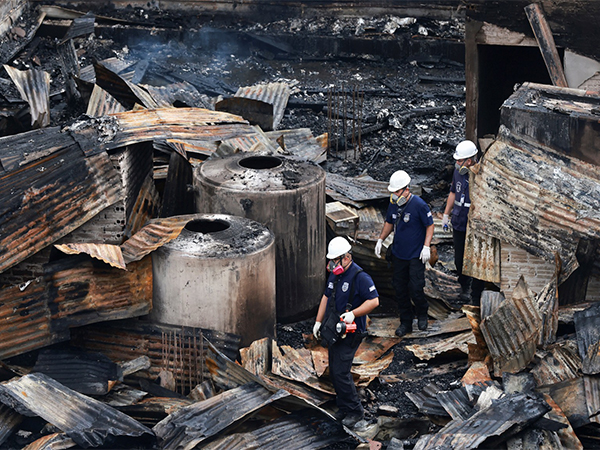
[349,296]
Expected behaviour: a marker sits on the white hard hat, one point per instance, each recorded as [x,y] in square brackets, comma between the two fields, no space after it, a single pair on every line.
[465,150]
[338,246]
[398,180]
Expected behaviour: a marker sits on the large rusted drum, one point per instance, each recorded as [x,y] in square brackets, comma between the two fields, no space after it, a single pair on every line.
[218,274]
[288,197]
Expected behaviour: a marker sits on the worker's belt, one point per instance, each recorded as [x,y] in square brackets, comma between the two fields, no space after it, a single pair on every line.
[466,205]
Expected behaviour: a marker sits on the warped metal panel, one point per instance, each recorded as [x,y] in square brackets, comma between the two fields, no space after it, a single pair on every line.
[51,442]
[489,427]
[536,198]
[191,425]
[179,92]
[276,94]
[34,87]
[87,421]
[558,363]
[68,188]
[512,333]
[367,372]
[125,340]
[357,189]
[592,397]
[255,358]
[300,143]
[587,327]
[430,350]
[569,395]
[110,254]
[547,301]
[297,431]
[9,422]
[146,207]
[567,436]
[482,256]
[456,403]
[101,103]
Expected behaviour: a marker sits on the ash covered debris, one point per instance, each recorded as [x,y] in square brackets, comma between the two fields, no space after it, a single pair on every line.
[357,96]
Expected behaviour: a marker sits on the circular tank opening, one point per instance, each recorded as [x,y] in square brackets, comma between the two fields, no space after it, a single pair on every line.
[260,162]
[206,226]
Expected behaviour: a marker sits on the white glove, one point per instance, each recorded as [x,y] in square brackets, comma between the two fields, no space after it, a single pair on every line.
[317,330]
[425,254]
[347,317]
[445,222]
[378,248]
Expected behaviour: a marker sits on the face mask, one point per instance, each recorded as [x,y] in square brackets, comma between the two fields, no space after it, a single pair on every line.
[462,169]
[335,268]
[400,201]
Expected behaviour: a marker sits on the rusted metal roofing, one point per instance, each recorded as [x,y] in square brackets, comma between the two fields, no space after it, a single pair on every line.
[300,144]
[547,301]
[367,372]
[255,358]
[456,402]
[296,365]
[51,442]
[146,206]
[482,256]
[69,188]
[512,334]
[587,326]
[191,425]
[303,430]
[110,254]
[101,103]
[489,427]
[180,92]
[357,189]
[70,294]
[567,436]
[560,362]
[9,422]
[34,87]
[455,343]
[89,422]
[152,236]
[570,396]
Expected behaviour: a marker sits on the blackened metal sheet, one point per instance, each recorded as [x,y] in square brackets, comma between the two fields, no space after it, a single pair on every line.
[569,396]
[51,442]
[152,236]
[489,427]
[80,26]
[9,422]
[427,402]
[482,256]
[512,333]
[129,339]
[154,409]
[547,301]
[357,189]
[117,86]
[34,87]
[567,436]
[181,93]
[255,358]
[85,372]
[101,103]
[559,362]
[110,254]
[587,326]
[275,94]
[301,144]
[68,188]
[303,430]
[592,397]
[456,403]
[430,350]
[145,207]
[191,425]
[89,422]
[369,371]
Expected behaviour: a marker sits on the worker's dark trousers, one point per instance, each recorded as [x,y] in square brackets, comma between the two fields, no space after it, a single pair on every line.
[341,355]
[476,285]
[409,280]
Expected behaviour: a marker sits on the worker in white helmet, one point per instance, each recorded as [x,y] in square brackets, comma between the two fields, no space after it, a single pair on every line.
[410,219]
[458,204]
[349,296]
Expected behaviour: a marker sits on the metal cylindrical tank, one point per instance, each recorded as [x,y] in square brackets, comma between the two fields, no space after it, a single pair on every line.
[219,273]
[287,196]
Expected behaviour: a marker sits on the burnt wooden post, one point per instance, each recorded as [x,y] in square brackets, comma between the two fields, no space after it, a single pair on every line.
[545,40]
[574,289]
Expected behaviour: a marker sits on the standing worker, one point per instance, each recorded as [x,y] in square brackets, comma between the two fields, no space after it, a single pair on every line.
[353,295]
[459,202]
[410,219]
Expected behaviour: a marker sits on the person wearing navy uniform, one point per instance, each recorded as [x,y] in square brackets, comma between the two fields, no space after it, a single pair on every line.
[348,279]
[411,220]
[458,203]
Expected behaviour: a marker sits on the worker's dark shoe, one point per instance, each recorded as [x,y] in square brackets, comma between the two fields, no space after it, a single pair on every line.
[422,323]
[403,329]
[352,419]
[340,415]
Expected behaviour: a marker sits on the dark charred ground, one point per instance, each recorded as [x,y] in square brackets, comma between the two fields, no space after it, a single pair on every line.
[392,87]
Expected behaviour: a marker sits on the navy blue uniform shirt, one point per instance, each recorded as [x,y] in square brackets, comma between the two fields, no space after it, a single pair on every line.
[364,289]
[462,202]
[409,229]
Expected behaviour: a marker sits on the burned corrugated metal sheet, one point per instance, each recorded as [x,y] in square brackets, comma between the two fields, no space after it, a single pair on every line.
[303,430]
[560,362]
[592,397]
[296,365]
[570,396]
[130,339]
[357,189]
[67,187]
[456,402]
[367,372]
[84,372]
[152,236]
[427,402]
[9,422]
[257,358]
[567,436]
[80,26]
[179,93]
[101,103]
[536,198]
[152,410]
[512,334]
[54,441]
[110,254]
[373,347]
[587,326]
[34,87]
[455,343]
[89,422]
[191,425]
[482,256]
[21,149]
[489,427]
[145,207]
[120,88]
[300,144]
[547,302]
